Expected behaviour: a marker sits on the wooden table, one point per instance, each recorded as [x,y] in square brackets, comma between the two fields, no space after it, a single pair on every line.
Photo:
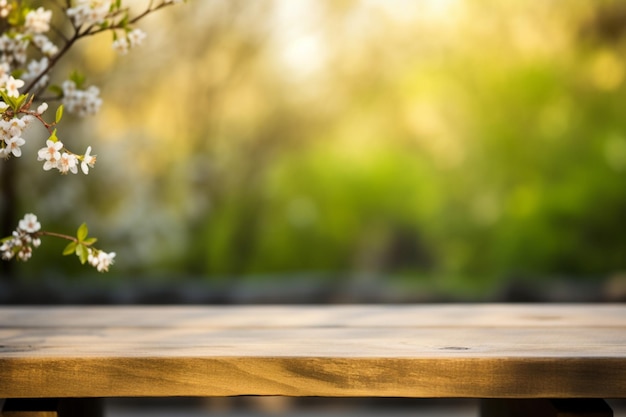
[486,351]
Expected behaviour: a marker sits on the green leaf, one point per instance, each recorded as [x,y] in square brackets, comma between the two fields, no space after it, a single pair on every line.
[20,101]
[82,232]
[90,241]
[57,90]
[70,248]
[124,22]
[9,100]
[17,16]
[53,136]
[78,78]
[82,253]
[59,114]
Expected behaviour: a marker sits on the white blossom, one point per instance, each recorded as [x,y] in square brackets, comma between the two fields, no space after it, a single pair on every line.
[7,250]
[81,102]
[89,12]
[132,39]
[38,21]
[100,259]
[5,9]
[22,240]
[12,85]
[51,154]
[13,49]
[88,161]
[136,37]
[45,45]
[35,69]
[11,128]
[15,126]
[13,145]
[42,108]
[25,253]
[53,162]
[5,126]
[121,46]
[68,163]
[29,223]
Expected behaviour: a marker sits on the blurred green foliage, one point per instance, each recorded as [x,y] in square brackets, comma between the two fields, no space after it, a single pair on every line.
[473,141]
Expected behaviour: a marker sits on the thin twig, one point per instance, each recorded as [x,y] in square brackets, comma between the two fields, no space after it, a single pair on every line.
[60,235]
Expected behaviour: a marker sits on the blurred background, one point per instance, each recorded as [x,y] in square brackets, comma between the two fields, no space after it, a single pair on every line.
[341,151]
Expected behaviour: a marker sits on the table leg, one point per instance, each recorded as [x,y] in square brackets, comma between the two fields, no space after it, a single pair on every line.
[575,407]
[50,407]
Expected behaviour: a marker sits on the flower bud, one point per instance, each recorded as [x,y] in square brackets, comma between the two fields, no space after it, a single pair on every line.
[42,108]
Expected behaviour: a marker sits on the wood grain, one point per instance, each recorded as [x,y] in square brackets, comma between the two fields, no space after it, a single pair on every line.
[474,351]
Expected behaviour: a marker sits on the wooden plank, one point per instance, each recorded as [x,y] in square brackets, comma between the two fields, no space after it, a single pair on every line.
[428,315]
[548,351]
[328,377]
[592,344]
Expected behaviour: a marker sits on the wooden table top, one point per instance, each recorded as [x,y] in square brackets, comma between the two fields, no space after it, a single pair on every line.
[430,350]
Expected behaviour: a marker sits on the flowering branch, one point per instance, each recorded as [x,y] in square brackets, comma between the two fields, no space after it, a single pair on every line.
[28,235]
[23,37]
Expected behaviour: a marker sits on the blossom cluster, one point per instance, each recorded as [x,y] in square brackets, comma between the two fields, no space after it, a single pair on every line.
[11,135]
[81,102]
[31,44]
[89,12]
[28,234]
[65,162]
[24,238]
[132,39]
[26,37]
[100,259]
[23,39]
